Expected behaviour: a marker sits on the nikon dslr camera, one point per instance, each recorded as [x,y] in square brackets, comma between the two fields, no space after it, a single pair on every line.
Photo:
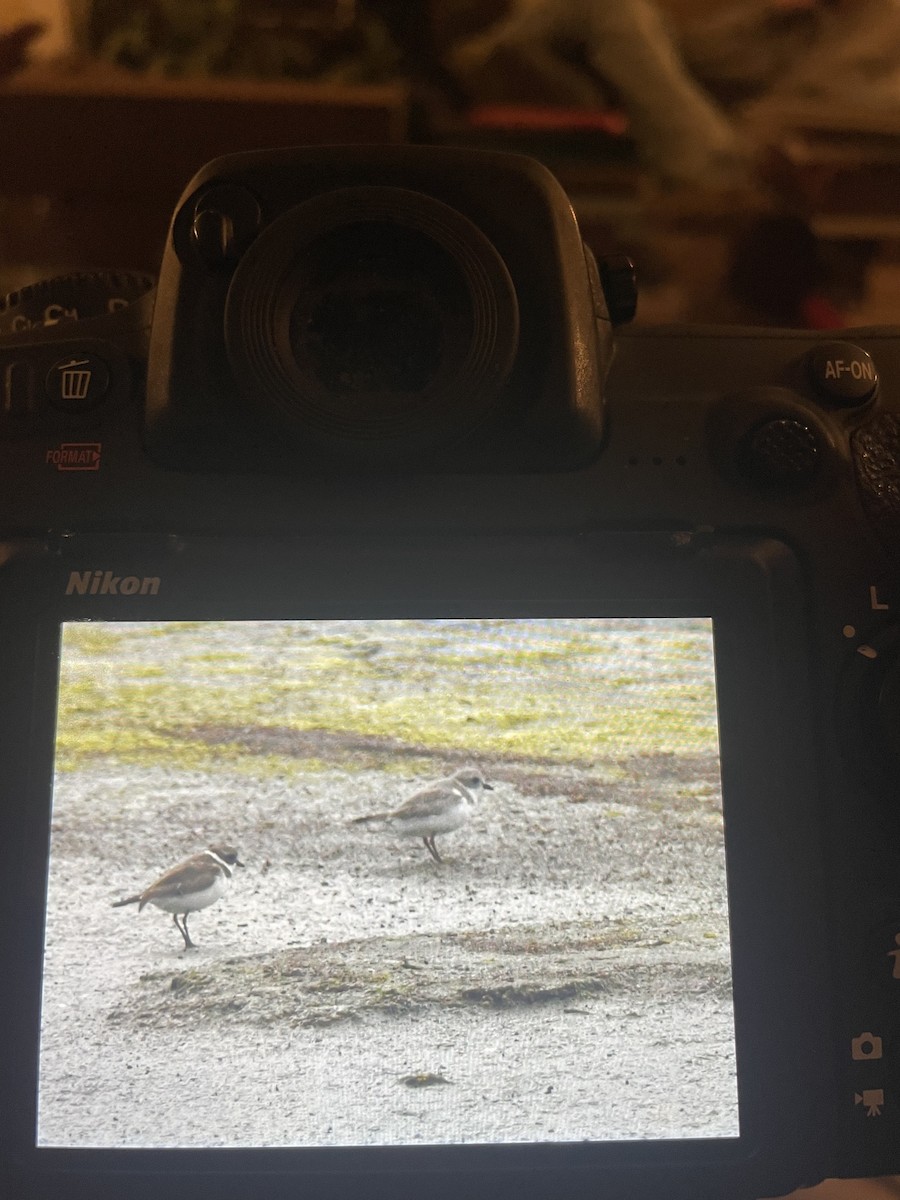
[503,708]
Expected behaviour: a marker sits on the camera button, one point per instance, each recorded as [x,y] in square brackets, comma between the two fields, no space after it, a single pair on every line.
[865,1046]
[17,397]
[876,972]
[842,373]
[783,452]
[77,383]
[619,286]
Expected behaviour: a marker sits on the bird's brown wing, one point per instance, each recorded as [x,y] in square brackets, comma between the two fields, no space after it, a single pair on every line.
[426,803]
[196,873]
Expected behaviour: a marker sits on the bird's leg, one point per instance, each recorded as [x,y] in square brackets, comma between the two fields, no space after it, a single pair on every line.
[183,930]
[432,848]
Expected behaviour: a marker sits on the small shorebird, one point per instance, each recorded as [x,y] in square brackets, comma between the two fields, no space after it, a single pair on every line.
[438,808]
[194,884]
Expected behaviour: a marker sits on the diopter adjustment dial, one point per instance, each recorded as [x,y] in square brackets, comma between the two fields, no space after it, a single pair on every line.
[226,220]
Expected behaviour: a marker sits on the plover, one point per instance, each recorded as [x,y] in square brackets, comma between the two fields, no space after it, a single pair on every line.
[194,884]
[438,808]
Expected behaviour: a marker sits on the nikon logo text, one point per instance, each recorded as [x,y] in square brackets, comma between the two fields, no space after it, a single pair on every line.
[104,583]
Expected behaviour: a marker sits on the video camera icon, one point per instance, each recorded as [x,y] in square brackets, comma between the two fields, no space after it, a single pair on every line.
[872,1100]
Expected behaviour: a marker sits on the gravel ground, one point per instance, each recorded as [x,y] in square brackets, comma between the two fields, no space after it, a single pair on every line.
[564,974]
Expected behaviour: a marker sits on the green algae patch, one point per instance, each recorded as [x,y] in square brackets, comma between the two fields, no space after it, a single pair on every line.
[138,694]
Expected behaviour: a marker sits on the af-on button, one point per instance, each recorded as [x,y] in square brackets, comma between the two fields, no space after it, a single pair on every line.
[842,374]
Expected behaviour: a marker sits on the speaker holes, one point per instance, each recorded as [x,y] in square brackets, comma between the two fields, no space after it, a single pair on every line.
[657,461]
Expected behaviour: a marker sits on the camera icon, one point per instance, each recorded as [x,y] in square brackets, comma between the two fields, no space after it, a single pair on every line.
[867,1045]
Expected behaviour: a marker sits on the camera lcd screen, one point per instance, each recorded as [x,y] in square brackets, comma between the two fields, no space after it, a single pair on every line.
[466,885]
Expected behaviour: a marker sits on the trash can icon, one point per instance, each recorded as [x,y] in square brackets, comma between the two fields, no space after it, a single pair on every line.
[75,380]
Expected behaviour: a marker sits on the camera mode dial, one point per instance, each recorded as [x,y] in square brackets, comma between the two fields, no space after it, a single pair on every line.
[102,303]
[63,348]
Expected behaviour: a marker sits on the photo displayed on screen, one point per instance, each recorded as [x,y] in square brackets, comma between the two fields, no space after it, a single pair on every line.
[395,882]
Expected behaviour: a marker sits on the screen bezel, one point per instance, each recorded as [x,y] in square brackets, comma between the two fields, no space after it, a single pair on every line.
[753,591]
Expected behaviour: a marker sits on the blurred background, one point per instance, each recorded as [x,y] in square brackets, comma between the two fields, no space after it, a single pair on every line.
[746,153]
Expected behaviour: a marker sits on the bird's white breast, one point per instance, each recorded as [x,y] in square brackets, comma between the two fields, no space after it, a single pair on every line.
[449,818]
[193,901]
